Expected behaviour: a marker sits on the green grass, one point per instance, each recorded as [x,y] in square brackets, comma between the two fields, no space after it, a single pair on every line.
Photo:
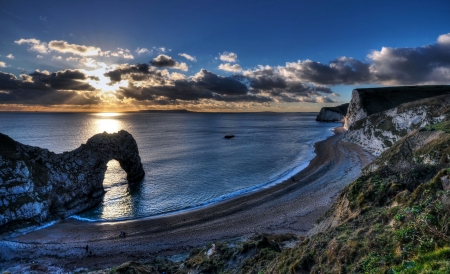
[444,126]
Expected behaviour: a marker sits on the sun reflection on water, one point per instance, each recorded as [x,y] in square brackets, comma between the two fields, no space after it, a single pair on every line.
[108,125]
[108,114]
[117,201]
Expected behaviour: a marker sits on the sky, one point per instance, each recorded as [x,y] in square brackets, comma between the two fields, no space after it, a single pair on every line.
[207,55]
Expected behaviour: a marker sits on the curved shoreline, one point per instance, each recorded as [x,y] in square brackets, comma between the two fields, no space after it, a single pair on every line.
[287,207]
[285,176]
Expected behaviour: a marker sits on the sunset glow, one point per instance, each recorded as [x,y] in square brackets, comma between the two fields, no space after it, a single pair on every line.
[270,58]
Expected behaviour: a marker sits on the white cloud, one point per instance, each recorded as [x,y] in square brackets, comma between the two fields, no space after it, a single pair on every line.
[64,47]
[444,39]
[2,65]
[35,45]
[10,56]
[162,49]
[39,56]
[72,59]
[140,51]
[57,58]
[177,76]
[228,57]
[187,56]
[125,53]
[182,66]
[92,63]
[229,67]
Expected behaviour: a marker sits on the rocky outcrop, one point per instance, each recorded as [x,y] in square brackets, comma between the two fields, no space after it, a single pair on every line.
[37,185]
[368,101]
[332,114]
[380,131]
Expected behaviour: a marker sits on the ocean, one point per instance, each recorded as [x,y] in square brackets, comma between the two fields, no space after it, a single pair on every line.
[187,160]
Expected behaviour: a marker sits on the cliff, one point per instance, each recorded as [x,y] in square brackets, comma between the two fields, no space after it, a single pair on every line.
[381,130]
[37,185]
[332,114]
[369,101]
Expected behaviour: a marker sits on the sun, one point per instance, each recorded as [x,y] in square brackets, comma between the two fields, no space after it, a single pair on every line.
[103,83]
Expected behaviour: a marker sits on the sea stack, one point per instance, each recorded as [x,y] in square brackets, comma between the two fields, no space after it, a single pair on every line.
[38,185]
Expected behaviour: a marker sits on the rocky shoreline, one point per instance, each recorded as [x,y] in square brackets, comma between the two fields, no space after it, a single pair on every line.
[38,186]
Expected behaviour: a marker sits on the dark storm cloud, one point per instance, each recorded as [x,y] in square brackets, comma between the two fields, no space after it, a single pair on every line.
[39,88]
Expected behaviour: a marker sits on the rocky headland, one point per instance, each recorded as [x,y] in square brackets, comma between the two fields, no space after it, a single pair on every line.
[37,185]
[333,114]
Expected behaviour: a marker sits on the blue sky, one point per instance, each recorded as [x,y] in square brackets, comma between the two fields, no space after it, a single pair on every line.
[215,55]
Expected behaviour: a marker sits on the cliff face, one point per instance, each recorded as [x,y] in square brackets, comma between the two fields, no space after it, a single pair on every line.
[381,130]
[37,185]
[369,101]
[332,114]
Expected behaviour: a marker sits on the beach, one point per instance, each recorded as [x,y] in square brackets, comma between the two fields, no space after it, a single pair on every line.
[289,207]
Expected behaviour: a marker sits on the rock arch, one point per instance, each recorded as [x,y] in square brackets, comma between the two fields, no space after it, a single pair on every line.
[37,185]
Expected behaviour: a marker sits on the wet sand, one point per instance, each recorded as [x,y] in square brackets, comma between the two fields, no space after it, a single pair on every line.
[289,207]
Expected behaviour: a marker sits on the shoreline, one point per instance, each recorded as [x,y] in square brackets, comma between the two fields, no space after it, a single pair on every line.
[287,207]
[286,176]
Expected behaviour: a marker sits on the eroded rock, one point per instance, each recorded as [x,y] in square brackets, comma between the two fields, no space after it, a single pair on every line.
[37,185]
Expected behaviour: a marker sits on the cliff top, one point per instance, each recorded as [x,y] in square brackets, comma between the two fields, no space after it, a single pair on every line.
[374,100]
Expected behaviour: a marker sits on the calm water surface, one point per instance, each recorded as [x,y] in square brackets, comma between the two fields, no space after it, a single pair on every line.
[187,161]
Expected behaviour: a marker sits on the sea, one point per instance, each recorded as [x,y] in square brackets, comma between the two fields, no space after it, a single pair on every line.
[188,162]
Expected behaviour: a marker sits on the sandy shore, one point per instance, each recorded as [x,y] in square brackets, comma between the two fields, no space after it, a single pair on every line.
[289,207]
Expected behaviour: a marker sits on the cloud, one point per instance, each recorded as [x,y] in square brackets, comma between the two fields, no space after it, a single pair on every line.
[161,87]
[228,57]
[140,51]
[187,56]
[229,67]
[125,53]
[34,45]
[163,60]
[90,62]
[420,65]
[57,57]
[44,88]
[283,86]
[2,64]
[444,39]
[428,64]
[39,56]
[64,47]
[10,56]
[70,59]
